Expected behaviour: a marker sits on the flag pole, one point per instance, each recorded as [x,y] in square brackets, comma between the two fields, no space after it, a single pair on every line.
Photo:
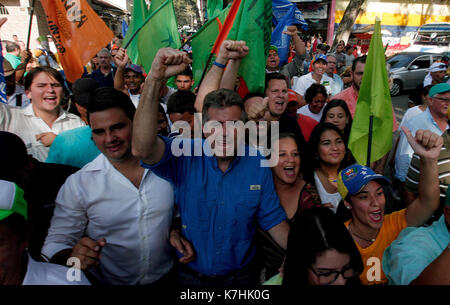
[369,146]
[204,70]
[29,26]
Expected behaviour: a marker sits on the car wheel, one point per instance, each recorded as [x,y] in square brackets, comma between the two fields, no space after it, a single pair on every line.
[396,88]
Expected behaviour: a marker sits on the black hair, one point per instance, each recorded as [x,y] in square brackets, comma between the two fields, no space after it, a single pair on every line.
[311,156]
[360,59]
[107,97]
[46,69]
[186,72]
[14,158]
[181,101]
[314,90]
[275,75]
[222,98]
[343,105]
[18,225]
[313,232]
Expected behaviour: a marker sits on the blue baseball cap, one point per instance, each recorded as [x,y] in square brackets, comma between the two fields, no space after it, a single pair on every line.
[353,179]
[322,57]
[134,68]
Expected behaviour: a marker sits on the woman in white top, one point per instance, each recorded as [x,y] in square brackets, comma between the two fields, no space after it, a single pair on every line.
[324,158]
[316,97]
[39,123]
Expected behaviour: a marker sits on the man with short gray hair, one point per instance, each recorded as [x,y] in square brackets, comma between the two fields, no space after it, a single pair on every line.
[13,54]
[337,85]
[104,75]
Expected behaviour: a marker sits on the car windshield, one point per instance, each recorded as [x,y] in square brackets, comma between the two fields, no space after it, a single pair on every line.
[400,60]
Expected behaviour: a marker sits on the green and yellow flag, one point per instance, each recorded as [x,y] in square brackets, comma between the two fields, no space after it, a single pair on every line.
[138,17]
[374,99]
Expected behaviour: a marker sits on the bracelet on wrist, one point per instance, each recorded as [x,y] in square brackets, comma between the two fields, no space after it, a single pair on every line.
[219,65]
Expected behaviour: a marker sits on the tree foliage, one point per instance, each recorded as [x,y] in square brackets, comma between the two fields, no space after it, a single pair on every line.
[186,11]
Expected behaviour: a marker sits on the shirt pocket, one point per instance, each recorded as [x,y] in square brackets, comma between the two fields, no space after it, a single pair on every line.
[200,215]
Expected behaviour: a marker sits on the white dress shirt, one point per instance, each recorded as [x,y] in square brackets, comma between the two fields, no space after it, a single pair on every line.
[24,123]
[98,201]
[301,84]
[39,273]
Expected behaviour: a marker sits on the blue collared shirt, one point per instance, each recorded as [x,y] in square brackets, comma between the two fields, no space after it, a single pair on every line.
[404,153]
[219,210]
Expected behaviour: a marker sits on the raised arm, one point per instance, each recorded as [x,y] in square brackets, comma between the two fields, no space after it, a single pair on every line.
[228,50]
[428,146]
[145,144]
[230,74]
[121,60]
[299,45]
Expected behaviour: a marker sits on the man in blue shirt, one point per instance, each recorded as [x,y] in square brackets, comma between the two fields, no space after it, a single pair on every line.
[104,75]
[221,191]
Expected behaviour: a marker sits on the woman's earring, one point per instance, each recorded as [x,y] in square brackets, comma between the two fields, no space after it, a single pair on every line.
[348,207]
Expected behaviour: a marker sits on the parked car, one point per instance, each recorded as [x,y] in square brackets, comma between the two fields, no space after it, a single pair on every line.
[408,69]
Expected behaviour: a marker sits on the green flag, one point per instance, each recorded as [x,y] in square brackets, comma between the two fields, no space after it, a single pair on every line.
[139,15]
[374,99]
[159,31]
[214,8]
[253,24]
[154,4]
[202,42]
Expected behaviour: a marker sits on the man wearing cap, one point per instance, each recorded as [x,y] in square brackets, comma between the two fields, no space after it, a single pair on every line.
[295,67]
[434,118]
[129,77]
[362,190]
[16,265]
[14,92]
[104,75]
[75,147]
[436,74]
[317,76]
[421,256]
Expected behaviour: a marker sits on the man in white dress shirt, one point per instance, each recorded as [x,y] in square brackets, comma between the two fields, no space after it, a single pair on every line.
[113,215]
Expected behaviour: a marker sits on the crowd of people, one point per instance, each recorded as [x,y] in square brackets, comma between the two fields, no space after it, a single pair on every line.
[137,177]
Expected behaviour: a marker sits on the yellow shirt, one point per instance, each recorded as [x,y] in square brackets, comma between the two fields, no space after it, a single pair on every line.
[371,256]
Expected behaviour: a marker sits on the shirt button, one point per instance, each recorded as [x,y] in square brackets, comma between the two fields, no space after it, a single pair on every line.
[220,228]
[218,252]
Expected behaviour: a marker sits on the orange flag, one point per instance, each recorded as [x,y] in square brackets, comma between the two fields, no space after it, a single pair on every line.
[78,33]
